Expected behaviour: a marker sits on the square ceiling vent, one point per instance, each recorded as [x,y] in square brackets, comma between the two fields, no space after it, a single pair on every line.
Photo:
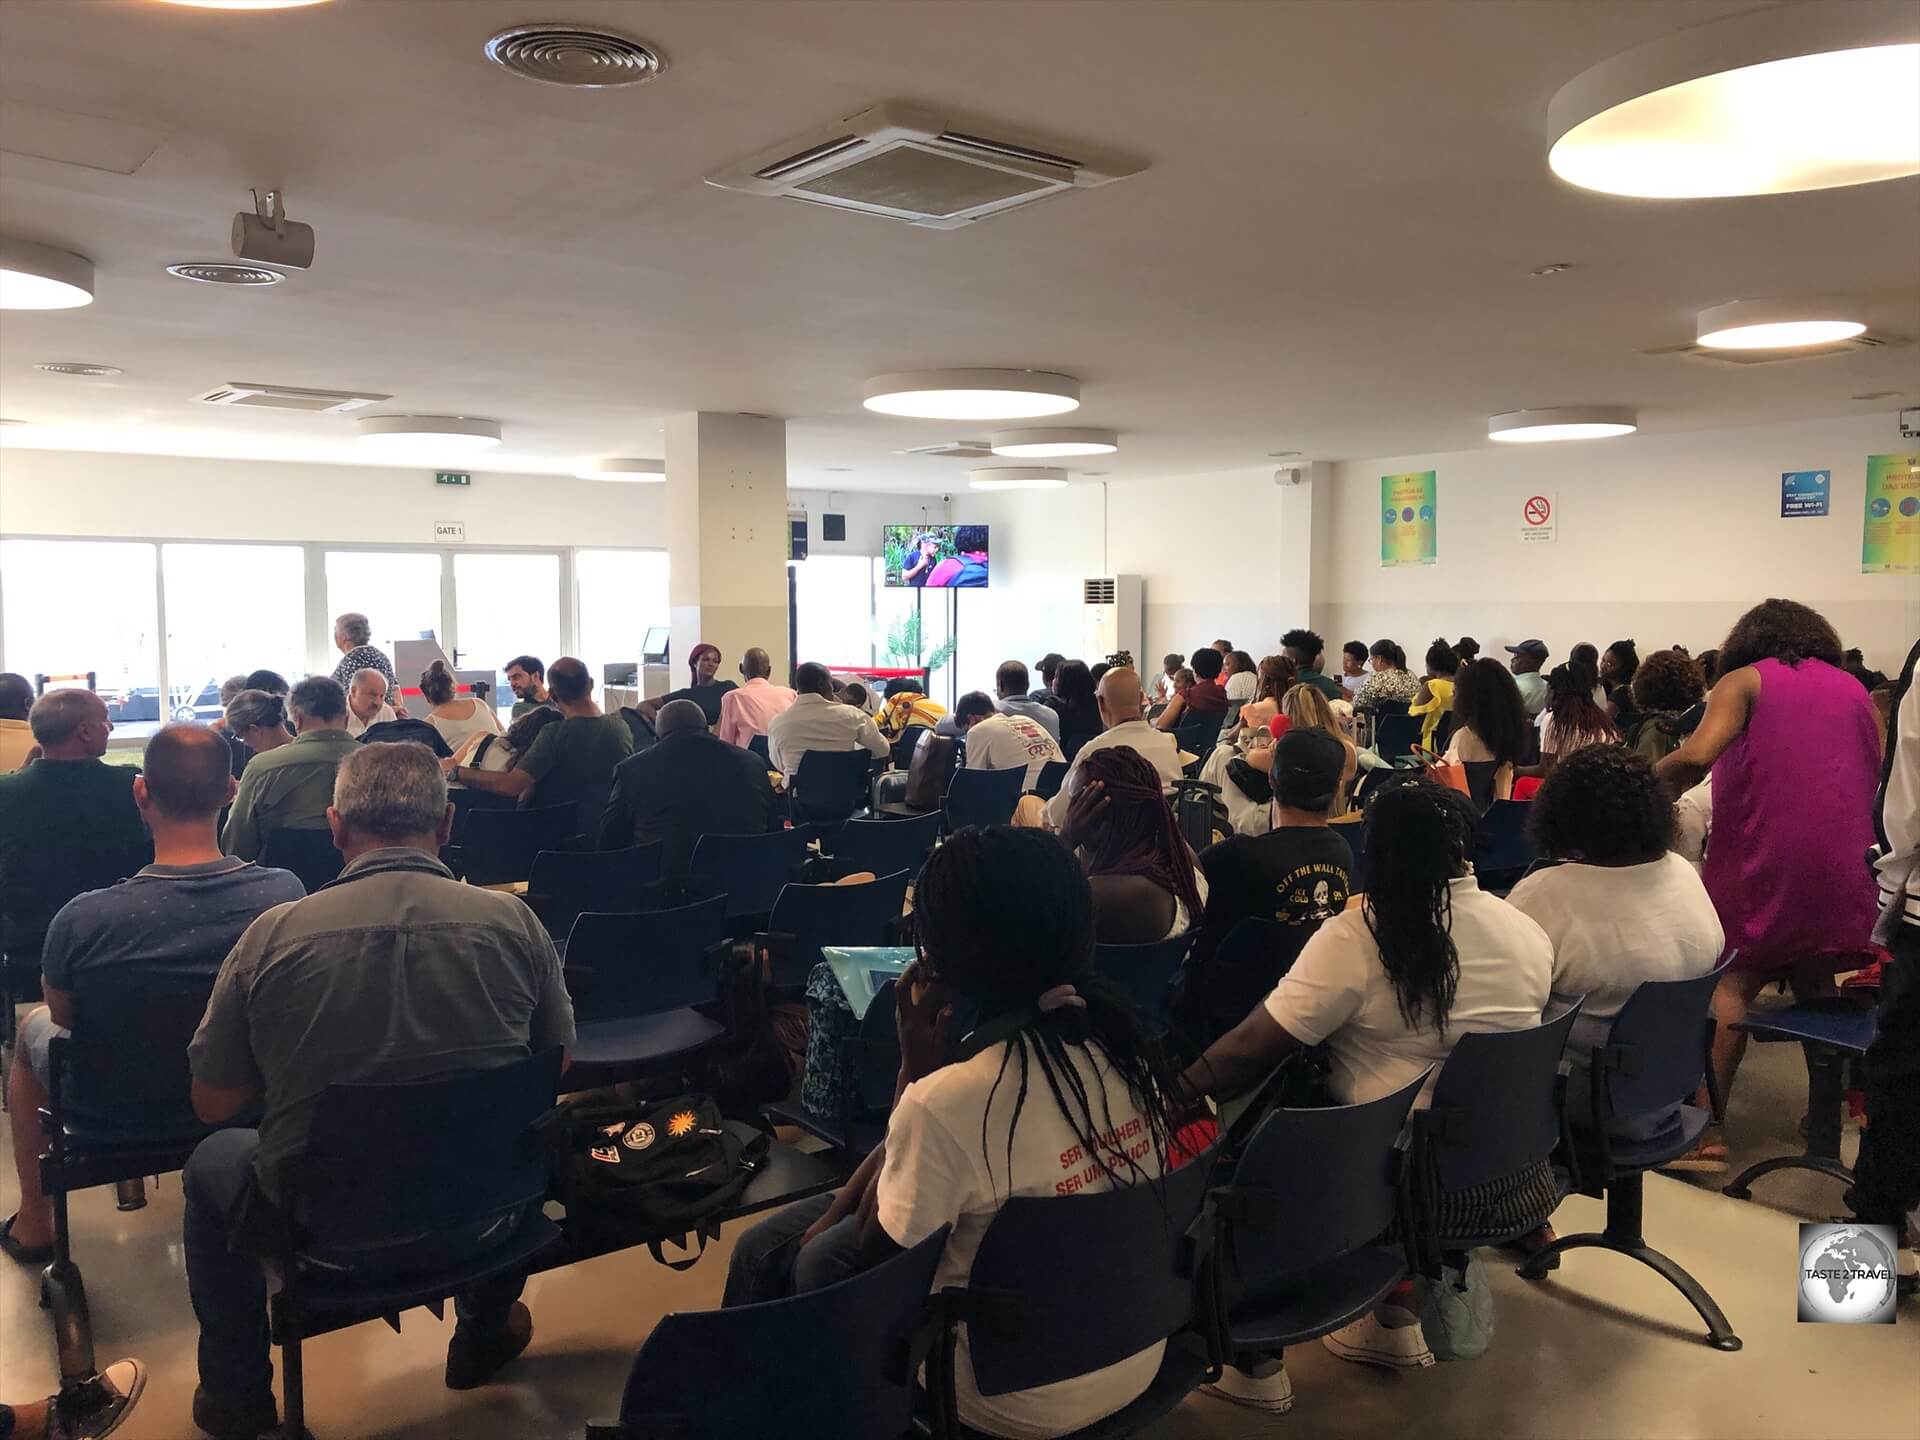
[289,397]
[902,162]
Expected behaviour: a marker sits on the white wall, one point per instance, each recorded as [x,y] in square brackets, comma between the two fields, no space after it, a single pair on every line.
[867,515]
[1664,539]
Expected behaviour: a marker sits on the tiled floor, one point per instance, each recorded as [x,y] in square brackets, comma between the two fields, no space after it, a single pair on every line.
[1601,1350]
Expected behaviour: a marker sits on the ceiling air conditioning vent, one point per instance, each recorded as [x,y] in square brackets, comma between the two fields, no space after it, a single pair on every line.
[953,450]
[1097,592]
[902,162]
[288,397]
[1868,340]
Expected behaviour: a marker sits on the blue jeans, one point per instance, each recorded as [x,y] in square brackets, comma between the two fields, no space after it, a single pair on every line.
[229,1288]
[770,1263]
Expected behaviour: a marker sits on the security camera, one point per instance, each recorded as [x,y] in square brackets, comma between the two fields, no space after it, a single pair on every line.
[267,237]
[946,499]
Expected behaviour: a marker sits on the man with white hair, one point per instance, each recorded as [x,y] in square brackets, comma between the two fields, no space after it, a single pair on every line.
[289,787]
[397,972]
[367,701]
[353,638]
[67,822]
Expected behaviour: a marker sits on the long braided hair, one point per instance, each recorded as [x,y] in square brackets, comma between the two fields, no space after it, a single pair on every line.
[1137,835]
[1004,916]
[1419,840]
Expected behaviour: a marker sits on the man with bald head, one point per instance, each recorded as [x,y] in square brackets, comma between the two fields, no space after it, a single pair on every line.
[1123,708]
[176,919]
[687,784]
[16,735]
[67,822]
[367,702]
[749,710]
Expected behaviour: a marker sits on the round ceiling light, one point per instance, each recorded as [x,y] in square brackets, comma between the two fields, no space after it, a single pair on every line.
[1053,444]
[1018,477]
[224,272]
[1564,422]
[244,4]
[39,277]
[574,56]
[973,394]
[1794,97]
[633,472]
[78,367]
[427,437]
[1773,325]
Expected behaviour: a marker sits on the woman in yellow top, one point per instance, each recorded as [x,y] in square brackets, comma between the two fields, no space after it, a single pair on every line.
[907,705]
[1435,697]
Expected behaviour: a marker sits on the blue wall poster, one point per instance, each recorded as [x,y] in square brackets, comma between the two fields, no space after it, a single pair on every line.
[1805,492]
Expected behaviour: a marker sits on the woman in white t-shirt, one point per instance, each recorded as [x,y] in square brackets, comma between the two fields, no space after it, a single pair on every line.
[1388,988]
[1055,1068]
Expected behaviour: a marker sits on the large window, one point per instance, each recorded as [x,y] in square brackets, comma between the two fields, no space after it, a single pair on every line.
[833,609]
[911,628]
[74,606]
[506,605]
[231,609]
[621,594]
[398,592]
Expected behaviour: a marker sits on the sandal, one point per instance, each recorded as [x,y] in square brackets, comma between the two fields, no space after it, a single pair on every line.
[21,1254]
[1709,1157]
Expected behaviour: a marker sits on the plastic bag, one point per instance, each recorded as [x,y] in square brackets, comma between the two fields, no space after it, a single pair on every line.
[1456,1310]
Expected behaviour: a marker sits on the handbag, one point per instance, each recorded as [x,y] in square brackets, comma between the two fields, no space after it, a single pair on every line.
[1451,774]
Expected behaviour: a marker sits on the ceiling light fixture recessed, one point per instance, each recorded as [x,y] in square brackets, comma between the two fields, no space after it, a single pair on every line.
[244,4]
[224,272]
[973,394]
[1563,422]
[1789,98]
[633,472]
[78,367]
[1774,325]
[1053,444]
[427,437]
[40,277]
[1018,477]
[574,56]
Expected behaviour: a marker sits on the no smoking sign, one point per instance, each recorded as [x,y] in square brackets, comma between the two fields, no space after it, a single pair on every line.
[1539,518]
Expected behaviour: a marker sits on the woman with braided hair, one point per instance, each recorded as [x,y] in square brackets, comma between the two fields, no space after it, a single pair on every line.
[1055,1089]
[1146,886]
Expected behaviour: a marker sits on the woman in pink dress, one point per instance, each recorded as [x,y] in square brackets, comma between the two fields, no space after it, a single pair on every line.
[1794,749]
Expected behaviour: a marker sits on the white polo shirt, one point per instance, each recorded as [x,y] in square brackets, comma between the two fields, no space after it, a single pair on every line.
[1159,746]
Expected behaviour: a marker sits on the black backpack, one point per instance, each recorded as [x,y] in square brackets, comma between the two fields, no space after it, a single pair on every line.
[661,1168]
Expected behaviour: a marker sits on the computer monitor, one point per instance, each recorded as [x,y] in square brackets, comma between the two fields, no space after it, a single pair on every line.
[653,649]
[625,673]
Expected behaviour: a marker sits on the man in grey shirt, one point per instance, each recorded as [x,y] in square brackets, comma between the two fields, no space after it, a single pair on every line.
[396,972]
[1010,685]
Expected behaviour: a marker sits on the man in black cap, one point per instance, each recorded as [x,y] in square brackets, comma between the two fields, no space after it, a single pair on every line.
[1528,658]
[1049,664]
[1296,875]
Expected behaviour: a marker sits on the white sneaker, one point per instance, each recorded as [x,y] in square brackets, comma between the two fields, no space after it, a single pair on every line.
[1368,1342]
[1271,1393]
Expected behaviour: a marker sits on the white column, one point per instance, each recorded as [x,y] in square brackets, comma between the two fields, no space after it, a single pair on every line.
[727,538]
[1300,559]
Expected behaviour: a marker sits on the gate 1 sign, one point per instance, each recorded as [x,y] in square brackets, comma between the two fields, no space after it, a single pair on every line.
[1805,492]
[1539,517]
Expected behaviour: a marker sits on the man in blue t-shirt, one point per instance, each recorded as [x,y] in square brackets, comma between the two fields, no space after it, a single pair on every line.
[175,919]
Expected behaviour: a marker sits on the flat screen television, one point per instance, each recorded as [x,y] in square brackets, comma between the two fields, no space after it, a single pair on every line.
[936,557]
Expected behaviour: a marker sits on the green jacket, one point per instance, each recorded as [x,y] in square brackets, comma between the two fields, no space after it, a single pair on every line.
[290,787]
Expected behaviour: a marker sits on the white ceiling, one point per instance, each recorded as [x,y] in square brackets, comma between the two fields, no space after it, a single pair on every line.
[1328,252]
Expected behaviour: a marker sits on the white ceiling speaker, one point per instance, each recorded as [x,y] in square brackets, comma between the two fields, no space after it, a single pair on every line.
[427,437]
[1563,422]
[1774,325]
[1054,444]
[1018,477]
[39,277]
[973,394]
[1794,97]
[633,472]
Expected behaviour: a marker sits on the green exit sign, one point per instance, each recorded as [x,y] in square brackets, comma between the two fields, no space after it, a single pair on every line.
[452,477]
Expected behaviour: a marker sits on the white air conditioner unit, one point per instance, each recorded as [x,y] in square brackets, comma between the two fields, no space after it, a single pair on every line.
[255,396]
[903,162]
[1113,616]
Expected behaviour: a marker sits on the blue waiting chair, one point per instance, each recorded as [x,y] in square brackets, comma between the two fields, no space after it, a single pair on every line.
[1249,961]
[757,744]
[1502,851]
[1354,832]
[900,756]
[1395,735]
[566,884]
[1498,1108]
[805,917]
[387,1164]
[1303,1248]
[829,785]
[750,870]
[1145,972]
[837,1363]
[884,846]
[1138,1277]
[982,797]
[498,847]
[868,1072]
[1650,1066]
[309,854]
[1830,1031]
[635,980]
[119,1108]
[1052,775]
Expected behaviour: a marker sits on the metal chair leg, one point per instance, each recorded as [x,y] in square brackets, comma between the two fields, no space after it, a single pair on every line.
[130,1194]
[294,1411]
[64,1293]
[1826,1094]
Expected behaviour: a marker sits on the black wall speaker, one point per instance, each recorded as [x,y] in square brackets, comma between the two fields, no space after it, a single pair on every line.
[833,527]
